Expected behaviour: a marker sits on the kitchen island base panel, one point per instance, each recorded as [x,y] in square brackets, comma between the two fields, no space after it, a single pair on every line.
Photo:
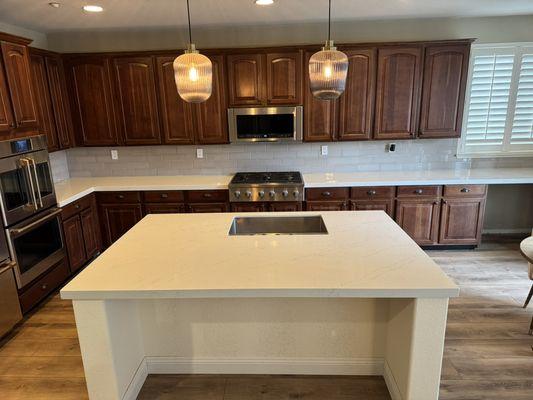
[124,340]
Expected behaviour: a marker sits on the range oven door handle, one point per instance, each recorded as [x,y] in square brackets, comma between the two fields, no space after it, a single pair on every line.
[26,163]
[20,231]
[32,162]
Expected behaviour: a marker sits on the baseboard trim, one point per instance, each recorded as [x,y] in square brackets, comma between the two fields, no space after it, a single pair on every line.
[137,382]
[277,366]
[394,391]
[498,231]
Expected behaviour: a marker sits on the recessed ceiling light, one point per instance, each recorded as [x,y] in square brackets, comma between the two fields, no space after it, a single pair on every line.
[54,4]
[93,9]
[264,2]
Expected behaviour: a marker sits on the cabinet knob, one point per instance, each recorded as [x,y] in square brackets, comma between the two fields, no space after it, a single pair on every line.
[465,190]
[419,191]
[371,192]
[77,206]
[44,286]
[208,195]
[12,125]
[120,196]
[164,196]
[326,194]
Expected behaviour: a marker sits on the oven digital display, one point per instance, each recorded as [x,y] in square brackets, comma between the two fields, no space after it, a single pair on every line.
[21,146]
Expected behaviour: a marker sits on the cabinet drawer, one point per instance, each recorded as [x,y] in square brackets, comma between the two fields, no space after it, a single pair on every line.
[164,196]
[208,207]
[465,190]
[44,286]
[164,208]
[326,206]
[327,194]
[416,191]
[119,197]
[372,192]
[76,206]
[207,196]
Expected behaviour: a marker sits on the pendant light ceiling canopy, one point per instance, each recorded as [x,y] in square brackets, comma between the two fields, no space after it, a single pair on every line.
[193,72]
[328,69]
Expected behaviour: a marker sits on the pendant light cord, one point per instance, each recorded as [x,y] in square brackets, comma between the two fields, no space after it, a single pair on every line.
[329,21]
[189,19]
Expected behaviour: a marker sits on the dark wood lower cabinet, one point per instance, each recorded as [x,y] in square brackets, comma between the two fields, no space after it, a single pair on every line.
[419,218]
[386,205]
[461,220]
[74,242]
[91,232]
[326,205]
[208,207]
[117,219]
[286,206]
[161,208]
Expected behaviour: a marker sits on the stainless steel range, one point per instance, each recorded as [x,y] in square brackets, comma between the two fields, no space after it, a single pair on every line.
[266,186]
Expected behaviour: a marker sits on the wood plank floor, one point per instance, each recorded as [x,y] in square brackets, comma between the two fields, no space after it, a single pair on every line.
[488,353]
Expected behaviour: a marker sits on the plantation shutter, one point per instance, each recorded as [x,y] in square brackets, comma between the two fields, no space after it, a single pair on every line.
[522,129]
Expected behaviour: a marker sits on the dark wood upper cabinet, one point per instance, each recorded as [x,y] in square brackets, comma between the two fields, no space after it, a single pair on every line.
[356,104]
[17,67]
[59,99]
[136,100]
[320,116]
[92,100]
[284,78]
[6,112]
[176,114]
[445,74]
[246,79]
[397,92]
[45,111]
[211,115]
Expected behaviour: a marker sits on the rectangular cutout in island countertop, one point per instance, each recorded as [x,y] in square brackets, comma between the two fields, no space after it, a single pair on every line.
[297,225]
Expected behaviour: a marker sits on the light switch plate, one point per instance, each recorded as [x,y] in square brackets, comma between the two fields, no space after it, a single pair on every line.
[324,150]
[114,154]
[199,153]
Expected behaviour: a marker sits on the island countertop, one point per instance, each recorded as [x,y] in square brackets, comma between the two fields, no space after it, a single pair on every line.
[365,254]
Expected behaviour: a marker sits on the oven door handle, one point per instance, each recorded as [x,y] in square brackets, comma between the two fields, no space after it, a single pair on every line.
[20,231]
[26,163]
[32,162]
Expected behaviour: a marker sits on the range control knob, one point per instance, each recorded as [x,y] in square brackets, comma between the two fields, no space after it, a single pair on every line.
[285,193]
[248,194]
[296,193]
[237,193]
[272,193]
[261,193]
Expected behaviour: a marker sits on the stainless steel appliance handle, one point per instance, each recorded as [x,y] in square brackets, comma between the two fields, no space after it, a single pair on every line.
[25,162]
[20,231]
[32,161]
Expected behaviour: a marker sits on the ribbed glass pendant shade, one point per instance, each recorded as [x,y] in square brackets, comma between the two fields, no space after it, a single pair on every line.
[327,72]
[193,73]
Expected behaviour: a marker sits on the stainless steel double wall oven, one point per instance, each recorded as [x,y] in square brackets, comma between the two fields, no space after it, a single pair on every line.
[31,219]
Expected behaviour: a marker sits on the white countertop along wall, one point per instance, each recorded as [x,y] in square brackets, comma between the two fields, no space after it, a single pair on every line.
[73,189]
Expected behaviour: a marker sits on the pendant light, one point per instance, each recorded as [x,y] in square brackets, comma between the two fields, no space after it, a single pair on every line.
[193,72]
[328,69]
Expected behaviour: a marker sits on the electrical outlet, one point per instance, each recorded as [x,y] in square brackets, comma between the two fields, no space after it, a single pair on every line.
[199,153]
[114,154]
[391,147]
[324,150]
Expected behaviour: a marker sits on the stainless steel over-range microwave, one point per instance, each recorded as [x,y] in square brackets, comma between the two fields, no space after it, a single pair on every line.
[265,124]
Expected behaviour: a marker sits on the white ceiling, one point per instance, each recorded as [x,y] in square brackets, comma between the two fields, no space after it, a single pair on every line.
[38,15]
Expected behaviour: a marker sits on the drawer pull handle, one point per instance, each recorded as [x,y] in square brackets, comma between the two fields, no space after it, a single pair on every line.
[164,196]
[419,191]
[77,206]
[208,195]
[371,192]
[12,125]
[44,286]
[326,194]
[465,190]
[120,196]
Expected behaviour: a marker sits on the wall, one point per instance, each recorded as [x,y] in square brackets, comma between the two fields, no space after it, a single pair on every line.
[39,39]
[487,30]
[509,209]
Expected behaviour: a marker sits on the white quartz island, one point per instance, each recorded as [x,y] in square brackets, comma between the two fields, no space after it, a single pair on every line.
[177,294]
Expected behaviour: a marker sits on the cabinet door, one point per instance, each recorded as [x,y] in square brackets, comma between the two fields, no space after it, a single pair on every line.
[136,100]
[91,235]
[45,112]
[320,116]
[285,207]
[74,242]
[6,112]
[117,219]
[246,79]
[284,78]
[326,206]
[176,114]
[208,207]
[92,101]
[461,221]
[211,115]
[445,73]
[357,102]
[17,66]
[365,205]
[397,92]
[161,208]
[248,207]
[419,218]
[59,97]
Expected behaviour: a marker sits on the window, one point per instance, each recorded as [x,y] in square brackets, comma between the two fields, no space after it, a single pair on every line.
[498,117]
